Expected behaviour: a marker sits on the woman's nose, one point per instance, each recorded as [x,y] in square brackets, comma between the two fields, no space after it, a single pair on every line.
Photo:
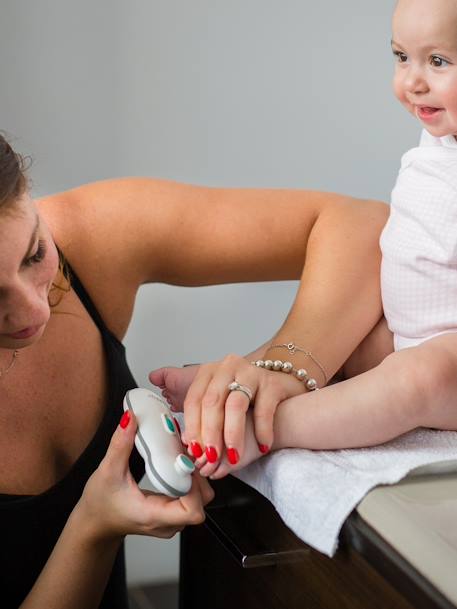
[25,307]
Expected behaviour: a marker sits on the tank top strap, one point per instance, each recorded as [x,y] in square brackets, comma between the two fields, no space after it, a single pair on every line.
[88,304]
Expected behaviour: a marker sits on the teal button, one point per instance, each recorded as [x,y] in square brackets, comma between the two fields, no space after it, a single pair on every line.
[169,424]
[188,464]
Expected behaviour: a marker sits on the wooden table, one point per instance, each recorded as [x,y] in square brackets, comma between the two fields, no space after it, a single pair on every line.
[244,557]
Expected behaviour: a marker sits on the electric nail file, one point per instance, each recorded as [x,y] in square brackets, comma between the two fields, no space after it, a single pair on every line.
[158,442]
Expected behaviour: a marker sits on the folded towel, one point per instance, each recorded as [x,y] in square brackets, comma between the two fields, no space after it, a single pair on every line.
[315,491]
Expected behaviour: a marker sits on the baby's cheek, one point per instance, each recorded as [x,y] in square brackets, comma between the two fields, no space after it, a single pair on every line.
[399,93]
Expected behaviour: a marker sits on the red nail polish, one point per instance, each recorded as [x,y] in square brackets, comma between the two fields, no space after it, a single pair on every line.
[196,449]
[233,456]
[177,425]
[264,449]
[125,419]
[211,454]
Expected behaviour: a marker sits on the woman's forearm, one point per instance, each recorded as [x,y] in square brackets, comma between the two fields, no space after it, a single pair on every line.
[338,301]
[76,572]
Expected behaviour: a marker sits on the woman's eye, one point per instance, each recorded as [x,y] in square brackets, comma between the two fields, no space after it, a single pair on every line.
[438,62]
[38,255]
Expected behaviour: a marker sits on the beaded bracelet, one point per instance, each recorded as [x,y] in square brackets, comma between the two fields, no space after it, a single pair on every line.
[279,366]
[292,348]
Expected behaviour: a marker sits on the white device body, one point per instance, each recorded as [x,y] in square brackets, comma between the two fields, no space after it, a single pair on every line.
[158,441]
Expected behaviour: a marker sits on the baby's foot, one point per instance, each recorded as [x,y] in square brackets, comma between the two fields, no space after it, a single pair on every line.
[174,383]
[250,453]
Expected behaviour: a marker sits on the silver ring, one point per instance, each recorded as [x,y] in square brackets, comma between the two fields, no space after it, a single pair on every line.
[235,386]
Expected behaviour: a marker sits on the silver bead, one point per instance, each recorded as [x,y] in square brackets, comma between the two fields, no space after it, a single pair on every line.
[311,384]
[287,367]
[301,374]
[277,364]
[259,363]
[268,364]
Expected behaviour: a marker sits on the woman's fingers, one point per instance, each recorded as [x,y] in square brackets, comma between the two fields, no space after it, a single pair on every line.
[215,416]
[184,510]
[162,516]
[263,415]
[205,490]
[112,504]
[224,411]
[236,407]
[116,459]
[192,411]
[213,406]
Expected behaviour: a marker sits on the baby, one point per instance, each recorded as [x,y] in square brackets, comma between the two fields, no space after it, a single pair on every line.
[416,385]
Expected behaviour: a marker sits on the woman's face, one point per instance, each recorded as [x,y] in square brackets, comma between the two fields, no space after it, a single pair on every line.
[28,267]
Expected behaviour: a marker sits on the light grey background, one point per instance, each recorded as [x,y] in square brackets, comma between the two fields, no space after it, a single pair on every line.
[285,93]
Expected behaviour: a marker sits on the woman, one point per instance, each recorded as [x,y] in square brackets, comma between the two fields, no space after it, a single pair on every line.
[70,267]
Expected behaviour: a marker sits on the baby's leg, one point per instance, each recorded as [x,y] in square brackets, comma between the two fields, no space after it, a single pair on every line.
[174,383]
[412,388]
[373,349]
[439,355]
[415,387]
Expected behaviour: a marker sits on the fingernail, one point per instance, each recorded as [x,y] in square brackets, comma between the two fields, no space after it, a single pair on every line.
[125,419]
[264,448]
[177,425]
[233,456]
[196,449]
[211,454]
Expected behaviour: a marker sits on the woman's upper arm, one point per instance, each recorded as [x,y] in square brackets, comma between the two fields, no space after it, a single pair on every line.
[149,230]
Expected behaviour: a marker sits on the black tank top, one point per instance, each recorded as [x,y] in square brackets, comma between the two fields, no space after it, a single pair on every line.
[31,525]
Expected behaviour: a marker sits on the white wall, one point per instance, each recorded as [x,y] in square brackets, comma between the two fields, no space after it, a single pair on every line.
[280,93]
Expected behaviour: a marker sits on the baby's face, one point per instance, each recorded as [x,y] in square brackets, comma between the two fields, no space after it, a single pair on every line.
[424,42]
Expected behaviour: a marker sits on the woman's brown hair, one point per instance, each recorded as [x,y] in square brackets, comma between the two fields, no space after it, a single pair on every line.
[14,183]
[13,178]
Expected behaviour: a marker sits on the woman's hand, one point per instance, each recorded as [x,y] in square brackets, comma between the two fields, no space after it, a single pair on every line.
[215,418]
[112,504]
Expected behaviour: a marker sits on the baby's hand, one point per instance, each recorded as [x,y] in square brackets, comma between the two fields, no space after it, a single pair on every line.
[174,383]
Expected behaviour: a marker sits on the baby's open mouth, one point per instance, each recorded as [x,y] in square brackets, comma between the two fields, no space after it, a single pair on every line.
[425,112]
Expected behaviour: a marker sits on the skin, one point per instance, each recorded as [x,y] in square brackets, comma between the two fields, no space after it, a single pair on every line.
[216,418]
[424,42]
[92,535]
[55,395]
[25,277]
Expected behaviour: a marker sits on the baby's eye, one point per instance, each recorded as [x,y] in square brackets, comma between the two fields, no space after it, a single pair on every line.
[400,57]
[438,62]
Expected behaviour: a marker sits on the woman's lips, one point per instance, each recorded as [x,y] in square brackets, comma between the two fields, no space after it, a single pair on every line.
[25,333]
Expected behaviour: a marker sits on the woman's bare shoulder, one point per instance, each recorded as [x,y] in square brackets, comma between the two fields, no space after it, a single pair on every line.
[94,225]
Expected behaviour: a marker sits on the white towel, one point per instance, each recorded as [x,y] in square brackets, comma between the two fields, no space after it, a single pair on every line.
[315,491]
